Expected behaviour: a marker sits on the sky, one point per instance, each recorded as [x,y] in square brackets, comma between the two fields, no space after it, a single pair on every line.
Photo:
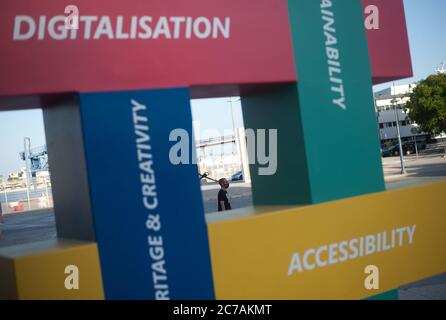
[14,127]
[427,31]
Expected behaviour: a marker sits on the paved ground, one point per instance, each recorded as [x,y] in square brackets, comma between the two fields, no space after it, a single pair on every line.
[240,196]
[431,289]
[425,168]
[28,227]
[40,225]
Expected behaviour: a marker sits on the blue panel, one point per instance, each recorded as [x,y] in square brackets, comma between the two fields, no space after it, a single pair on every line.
[111,129]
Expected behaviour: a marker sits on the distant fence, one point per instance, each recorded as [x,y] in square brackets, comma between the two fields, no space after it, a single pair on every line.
[16,198]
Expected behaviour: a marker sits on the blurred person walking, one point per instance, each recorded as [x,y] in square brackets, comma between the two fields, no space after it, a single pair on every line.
[223,201]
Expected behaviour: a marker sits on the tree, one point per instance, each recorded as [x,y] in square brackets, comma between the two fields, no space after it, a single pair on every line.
[427,105]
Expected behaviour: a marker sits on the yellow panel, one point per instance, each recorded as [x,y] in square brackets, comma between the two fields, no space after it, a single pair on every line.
[251,256]
[40,269]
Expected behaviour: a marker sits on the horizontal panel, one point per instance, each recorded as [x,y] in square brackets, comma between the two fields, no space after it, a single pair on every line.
[321,251]
[216,47]
[55,269]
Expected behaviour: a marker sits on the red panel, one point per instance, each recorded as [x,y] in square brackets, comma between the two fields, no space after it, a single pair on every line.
[258,49]
[257,52]
[389,45]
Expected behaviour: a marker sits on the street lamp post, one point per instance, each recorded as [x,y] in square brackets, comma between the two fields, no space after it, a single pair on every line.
[232,114]
[416,145]
[27,148]
[236,136]
[403,167]
[4,190]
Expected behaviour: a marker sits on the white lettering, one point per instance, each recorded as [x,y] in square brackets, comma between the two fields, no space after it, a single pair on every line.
[372,18]
[17,35]
[356,248]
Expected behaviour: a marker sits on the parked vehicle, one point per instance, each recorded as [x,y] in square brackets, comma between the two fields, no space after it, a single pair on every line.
[237,176]
[393,150]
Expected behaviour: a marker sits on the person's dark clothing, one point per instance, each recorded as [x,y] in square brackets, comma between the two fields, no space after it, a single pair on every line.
[222,196]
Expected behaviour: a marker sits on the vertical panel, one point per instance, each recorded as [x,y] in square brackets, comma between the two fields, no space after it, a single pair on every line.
[277,108]
[66,159]
[336,99]
[148,212]
[328,142]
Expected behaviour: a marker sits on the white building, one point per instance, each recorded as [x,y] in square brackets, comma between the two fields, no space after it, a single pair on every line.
[390,104]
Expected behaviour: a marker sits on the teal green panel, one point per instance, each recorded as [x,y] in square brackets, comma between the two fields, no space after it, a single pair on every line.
[389,295]
[340,136]
[277,108]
